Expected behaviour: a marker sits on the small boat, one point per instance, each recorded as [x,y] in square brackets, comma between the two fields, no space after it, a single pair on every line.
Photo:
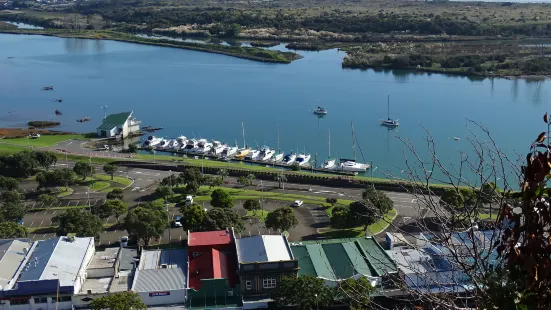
[329,163]
[289,159]
[169,144]
[57,112]
[47,87]
[320,111]
[265,154]
[352,166]
[303,159]
[218,148]
[224,158]
[191,144]
[152,141]
[242,153]
[162,144]
[84,119]
[229,151]
[151,129]
[389,122]
[456,138]
[180,143]
[57,99]
[253,154]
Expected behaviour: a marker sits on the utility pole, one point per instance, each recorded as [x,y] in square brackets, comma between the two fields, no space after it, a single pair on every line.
[104,111]
[167,213]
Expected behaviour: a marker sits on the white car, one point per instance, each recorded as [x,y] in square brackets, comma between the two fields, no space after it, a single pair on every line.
[298,203]
[189,200]
[124,241]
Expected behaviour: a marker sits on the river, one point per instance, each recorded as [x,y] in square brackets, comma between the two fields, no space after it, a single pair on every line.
[208,95]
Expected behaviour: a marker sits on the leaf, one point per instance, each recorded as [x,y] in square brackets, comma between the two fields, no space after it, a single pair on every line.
[541,137]
[546,118]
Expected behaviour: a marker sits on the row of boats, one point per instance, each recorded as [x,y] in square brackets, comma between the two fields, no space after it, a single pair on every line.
[265,154]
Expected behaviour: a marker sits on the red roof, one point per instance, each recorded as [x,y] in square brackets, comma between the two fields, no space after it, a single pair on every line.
[212,264]
[209,238]
[219,264]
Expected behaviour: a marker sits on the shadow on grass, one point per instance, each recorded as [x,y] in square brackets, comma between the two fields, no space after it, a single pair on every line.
[43,230]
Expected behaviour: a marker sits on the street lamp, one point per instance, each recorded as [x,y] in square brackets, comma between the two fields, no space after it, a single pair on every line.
[104,111]
[88,194]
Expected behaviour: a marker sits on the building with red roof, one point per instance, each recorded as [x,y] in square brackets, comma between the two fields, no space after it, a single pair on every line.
[212,271]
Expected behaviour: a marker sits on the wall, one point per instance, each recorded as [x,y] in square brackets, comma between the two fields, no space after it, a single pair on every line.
[78,301]
[81,277]
[49,305]
[100,272]
[175,297]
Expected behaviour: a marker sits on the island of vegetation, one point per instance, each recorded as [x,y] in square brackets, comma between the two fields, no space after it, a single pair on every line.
[467,38]
[43,124]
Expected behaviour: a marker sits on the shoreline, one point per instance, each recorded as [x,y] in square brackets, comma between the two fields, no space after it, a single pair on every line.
[249,53]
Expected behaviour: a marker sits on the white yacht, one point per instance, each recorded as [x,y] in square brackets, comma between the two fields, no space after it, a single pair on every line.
[182,141]
[229,151]
[278,157]
[162,144]
[352,165]
[218,148]
[329,164]
[303,159]
[169,144]
[152,141]
[191,145]
[265,153]
[203,147]
[289,159]
[253,154]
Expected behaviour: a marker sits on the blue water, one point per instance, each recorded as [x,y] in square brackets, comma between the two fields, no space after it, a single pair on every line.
[207,95]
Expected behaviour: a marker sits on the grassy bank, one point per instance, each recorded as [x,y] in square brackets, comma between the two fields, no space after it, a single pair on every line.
[355,232]
[250,53]
[43,141]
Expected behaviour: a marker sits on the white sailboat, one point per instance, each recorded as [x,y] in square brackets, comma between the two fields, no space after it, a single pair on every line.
[191,145]
[241,153]
[152,141]
[229,151]
[265,153]
[351,164]
[388,122]
[289,159]
[278,156]
[303,159]
[330,163]
[253,154]
[218,147]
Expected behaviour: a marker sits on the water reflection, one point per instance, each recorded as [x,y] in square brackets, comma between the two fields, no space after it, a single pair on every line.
[78,46]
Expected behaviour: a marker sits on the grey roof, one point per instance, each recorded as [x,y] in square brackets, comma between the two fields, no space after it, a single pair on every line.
[57,258]
[12,254]
[114,120]
[104,259]
[127,258]
[153,280]
[264,248]
[170,257]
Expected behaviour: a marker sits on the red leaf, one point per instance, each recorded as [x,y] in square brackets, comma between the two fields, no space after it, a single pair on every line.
[541,137]
[546,118]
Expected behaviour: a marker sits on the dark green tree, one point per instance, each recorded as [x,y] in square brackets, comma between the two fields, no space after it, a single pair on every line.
[45,159]
[118,301]
[192,174]
[79,222]
[355,292]
[146,222]
[221,199]
[47,200]
[245,181]
[163,191]
[252,205]
[132,148]
[331,201]
[11,230]
[212,181]
[8,184]
[192,188]
[110,169]
[223,173]
[116,193]
[109,208]
[11,197]
[222,218]
[489,193]
[83,169]
[12,211]
[281,179]
[282,219]
[340,216]
[304,293]
[193,217]
[171,181]
[232,30]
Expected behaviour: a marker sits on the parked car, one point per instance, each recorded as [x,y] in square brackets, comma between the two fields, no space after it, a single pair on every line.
[189,200]
[124,241]
[177,222]
[298,203]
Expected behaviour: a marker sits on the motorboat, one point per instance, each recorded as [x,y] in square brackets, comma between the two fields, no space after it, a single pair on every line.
[169,144]
[152,141]
[229,151]
[303,159]
[253,154]
[265,153]
[289,159]
[163,144]
[388,122]
[191,145]
[329,164]
[224,158]
[242,153]
[181,143]
[203,147]
[218,148]
[320,111]
[277,157]
[352,165]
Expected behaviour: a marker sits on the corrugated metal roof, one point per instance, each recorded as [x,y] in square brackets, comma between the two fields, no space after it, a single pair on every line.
[114,120]
[39,259]
[155,280]
[377,257]
[320,261]
[306,267]
[264,248]
[218,237]
[12,254]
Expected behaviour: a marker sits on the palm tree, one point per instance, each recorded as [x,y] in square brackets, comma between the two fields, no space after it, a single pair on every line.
[223,173]
[281,178]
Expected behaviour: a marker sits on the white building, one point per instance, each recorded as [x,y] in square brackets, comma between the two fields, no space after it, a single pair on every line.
[120,124]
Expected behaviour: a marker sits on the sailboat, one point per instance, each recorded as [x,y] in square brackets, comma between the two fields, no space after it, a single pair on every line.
[278,156]
[241,153]
[351,164]
[388,122]
[330,163]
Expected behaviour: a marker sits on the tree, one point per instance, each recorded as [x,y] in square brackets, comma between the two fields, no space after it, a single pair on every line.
[192,188]
[8,184]
[355,292]
[331,201]
[246,180]
[109,208]
[223,173]
[232,30]
[374,207]
[65,176]
[110,169]
[171,181]
[45,159]
[12,211]
[281,179]
[58,177]
[221,199]
[11,230]
[212,181]
[303,292]
[83,169]
[11,197]
[282,219]
[116,193]
[118,301]
[192,174]
[146,222]
[21,164]
[252,205]
[96,21]
[222,218]
[193,217]
[340,216]
[79,222]
[132,148]
[163,191]
[47,200]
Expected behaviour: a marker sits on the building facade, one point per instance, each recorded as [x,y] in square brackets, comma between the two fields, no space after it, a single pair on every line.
[120,124]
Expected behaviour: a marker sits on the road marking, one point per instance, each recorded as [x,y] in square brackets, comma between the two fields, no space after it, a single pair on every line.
[41,224]
[68,202]
[33,190]
[99,243]
[34,236]
[50,223]
[55,211]
[59,204]
[45,212]
[31,224]
[44,236]
[77,203]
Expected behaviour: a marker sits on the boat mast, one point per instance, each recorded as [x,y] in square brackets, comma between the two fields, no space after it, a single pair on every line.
[353,143]
[329,142]
[243,128]
[388,106]
[278,149]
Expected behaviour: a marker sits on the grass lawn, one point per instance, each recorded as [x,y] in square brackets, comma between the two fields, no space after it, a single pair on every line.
[484,216]
[98,186]
[8,149]
[45,140]
[117,179]
[64,192]
[261,214]
[355,232]
[110,189]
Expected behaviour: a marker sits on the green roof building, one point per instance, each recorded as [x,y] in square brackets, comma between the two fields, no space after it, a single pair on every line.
[119,124]
[334,260]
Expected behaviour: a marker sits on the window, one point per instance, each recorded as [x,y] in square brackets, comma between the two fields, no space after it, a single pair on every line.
[63,298]
[40,300]
[14,302]
[269,282]
[248,284]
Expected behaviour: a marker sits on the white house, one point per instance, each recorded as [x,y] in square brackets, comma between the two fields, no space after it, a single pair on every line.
[118,124]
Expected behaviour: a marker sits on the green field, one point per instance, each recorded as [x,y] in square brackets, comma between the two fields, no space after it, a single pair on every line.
[117,179]
[43,141]
[260,214]
[354,232]
[64,192]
